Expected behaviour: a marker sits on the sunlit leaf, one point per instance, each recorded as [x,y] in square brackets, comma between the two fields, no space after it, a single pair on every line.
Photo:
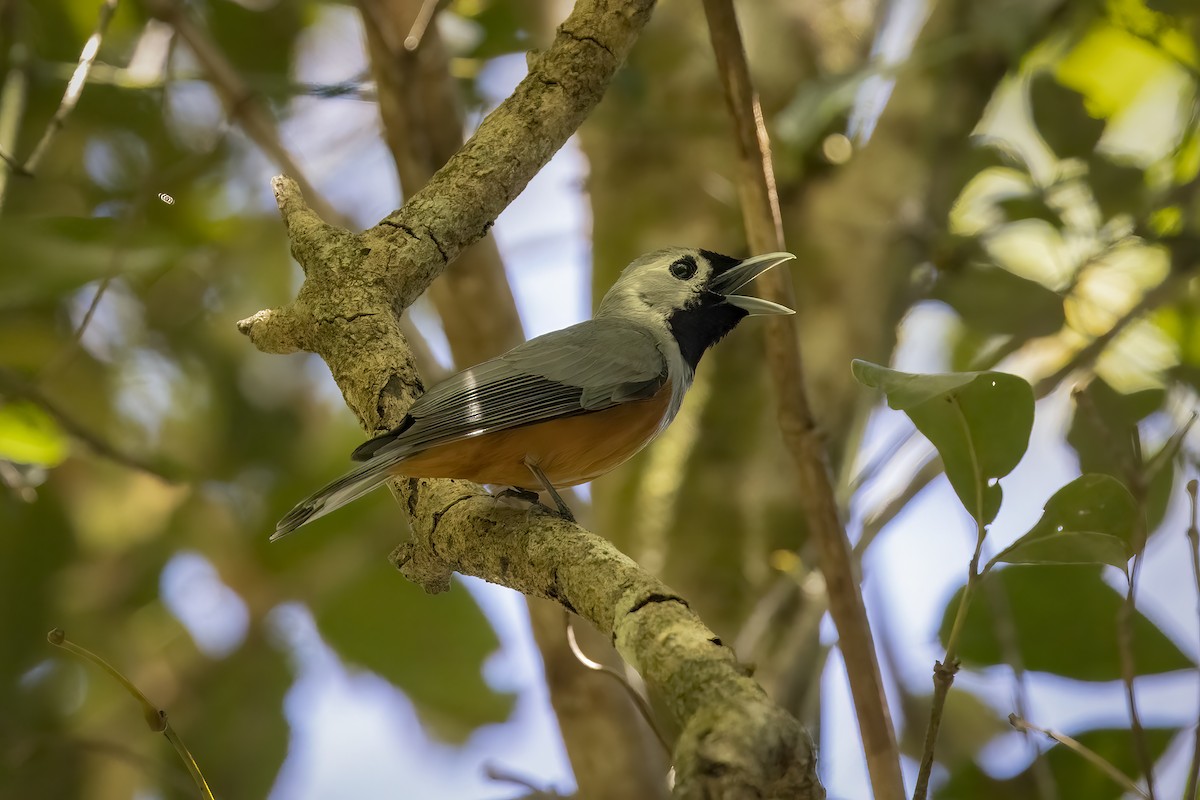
[1074,776]
[1061,119]
[978,421]
[1091,520]
[432,648]
[1063,620]
[28,435]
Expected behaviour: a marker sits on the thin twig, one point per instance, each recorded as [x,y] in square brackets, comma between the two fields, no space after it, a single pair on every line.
[424,17]
[1138,484]
[1087,753]
[13,96]
[156,718]
[1193,537]
[1128,673]
[501,774]
[74,88]
[241,104]
[13,385]
[764,230]
[945,670]
[1006,636]
[642,706]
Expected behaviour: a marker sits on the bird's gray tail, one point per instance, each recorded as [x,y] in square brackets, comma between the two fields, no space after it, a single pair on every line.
[346,489]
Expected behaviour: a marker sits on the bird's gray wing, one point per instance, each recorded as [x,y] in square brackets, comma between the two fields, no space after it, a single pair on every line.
[587,367]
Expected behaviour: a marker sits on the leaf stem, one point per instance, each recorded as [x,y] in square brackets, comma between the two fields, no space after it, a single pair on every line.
[156,719]
[945,670]
[1139,486]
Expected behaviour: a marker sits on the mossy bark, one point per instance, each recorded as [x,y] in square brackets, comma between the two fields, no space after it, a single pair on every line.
[735,741]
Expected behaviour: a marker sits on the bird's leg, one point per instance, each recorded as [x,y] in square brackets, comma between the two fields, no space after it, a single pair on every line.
[563,510]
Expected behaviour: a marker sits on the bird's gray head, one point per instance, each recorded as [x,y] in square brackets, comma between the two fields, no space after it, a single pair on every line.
[688,294]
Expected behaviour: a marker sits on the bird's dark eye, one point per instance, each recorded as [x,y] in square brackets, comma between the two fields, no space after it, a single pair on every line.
[684,268]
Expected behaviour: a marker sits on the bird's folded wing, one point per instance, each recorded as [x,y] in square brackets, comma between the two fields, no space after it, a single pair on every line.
[588,367]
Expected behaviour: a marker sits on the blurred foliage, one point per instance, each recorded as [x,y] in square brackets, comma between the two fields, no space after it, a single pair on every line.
[1032,169]
[151,207]
[1077,779]
[1064,622]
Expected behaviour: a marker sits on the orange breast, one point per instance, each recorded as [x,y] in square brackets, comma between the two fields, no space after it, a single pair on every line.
[570,450]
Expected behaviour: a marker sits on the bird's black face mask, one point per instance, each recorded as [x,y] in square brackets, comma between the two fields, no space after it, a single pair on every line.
[707,320]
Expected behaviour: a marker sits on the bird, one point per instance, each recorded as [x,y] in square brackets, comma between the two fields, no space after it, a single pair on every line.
[568,406]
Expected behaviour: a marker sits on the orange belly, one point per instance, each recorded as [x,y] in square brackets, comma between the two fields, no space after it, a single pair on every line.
[570,450]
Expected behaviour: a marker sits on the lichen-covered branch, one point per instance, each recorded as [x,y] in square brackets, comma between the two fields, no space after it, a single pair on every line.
[611,752]
[735,741]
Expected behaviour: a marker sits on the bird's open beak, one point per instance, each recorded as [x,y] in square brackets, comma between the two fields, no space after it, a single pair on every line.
[739,275]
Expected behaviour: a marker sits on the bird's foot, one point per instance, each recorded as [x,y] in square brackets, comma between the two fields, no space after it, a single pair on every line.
[534,499]
[520,494]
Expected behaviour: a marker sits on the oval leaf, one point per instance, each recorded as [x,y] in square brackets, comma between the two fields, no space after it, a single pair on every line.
[978,421]
[1088,521]
[1064,620]
[28,435]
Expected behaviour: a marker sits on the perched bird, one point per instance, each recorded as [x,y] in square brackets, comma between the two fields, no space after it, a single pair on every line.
[571,405]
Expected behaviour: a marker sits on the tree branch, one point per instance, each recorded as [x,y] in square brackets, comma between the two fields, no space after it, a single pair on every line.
[760,209]
[734,740]
[74,90]
[608,747]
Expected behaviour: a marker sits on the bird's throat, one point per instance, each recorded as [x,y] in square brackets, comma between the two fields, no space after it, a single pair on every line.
[702,325]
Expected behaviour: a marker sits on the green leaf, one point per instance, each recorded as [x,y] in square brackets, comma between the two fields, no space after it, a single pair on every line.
[1061,119]
[1075,777]
[1117,188]
[1091,520]
[978,421]
[1064,621]
[1030,206]
[432,648]
[1101,434]
[993,300]
[28,435]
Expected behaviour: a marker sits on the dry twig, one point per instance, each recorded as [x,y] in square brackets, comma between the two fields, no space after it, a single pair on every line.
[1090,755]
[764,229]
